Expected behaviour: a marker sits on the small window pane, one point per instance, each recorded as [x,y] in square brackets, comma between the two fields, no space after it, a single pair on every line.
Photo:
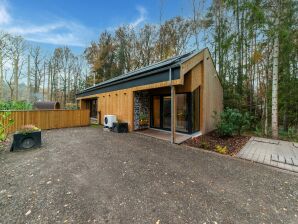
[196,110]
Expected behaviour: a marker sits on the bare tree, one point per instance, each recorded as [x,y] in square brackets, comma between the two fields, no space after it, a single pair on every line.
[145,45]
[197,9]
[36,70]
[9,81]
[67,63]
[28,80]
[4,38]
[16,50]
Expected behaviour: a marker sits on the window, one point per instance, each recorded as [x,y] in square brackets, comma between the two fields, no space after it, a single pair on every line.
[182,115]
[196,110]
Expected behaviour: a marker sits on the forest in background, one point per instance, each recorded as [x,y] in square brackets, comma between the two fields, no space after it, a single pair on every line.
[29,74]
[254,45]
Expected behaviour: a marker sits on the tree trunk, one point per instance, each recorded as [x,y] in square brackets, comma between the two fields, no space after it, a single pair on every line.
[44,81]
[266,117]
[239,53]
[64,87]
[275,85]
[49,81]
[1,77]
[28,81]
[285,119]
[194,25]
[16,78]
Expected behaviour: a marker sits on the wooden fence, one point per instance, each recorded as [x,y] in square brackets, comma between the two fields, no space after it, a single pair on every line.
[49,119]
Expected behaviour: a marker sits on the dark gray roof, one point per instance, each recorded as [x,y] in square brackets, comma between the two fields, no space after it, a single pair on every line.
[172,62]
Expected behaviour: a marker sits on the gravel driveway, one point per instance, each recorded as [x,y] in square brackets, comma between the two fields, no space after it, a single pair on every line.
[85,175]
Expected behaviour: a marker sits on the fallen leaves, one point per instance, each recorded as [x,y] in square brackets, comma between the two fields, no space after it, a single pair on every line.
[28,213]
[210,140]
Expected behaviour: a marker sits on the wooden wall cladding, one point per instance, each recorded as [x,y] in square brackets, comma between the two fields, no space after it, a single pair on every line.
[198,71]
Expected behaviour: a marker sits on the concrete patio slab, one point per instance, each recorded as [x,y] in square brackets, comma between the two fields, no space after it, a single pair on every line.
[281,154]
[164,135]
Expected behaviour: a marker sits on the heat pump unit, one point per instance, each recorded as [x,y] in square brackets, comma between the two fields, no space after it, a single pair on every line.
[109,120]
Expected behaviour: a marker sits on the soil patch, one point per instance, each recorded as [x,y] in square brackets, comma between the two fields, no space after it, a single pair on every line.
[210,140]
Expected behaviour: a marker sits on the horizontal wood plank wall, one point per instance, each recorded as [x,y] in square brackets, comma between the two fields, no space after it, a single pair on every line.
[49,119]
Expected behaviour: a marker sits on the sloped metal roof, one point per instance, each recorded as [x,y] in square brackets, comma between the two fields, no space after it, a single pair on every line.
[173,61]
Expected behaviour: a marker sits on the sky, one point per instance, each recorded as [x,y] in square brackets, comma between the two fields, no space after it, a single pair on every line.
[54,23]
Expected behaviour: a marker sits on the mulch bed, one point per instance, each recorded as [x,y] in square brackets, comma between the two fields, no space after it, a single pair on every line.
[210,140]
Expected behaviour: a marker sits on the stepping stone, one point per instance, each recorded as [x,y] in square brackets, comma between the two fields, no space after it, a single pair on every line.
[278,158]
[289,161]
[281,159]
[274,157]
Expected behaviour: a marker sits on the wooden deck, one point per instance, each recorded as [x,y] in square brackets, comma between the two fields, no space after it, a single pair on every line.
[164,135]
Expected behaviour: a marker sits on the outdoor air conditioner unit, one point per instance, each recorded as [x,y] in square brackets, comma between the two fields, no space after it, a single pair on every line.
[109,120]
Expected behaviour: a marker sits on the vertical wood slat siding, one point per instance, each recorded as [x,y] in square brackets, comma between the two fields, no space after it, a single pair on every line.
[49,119]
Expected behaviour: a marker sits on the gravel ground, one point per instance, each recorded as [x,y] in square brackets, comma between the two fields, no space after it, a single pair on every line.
[85,175]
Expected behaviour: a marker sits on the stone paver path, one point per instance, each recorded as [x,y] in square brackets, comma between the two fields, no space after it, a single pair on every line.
[281,154]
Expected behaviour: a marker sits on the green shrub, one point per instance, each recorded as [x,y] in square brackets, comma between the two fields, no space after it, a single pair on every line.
[231,122]
[71,106]
[15,105]
[204,145]
[290,135]
[5,123]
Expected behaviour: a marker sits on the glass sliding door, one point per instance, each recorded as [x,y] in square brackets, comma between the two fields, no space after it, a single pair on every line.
[166,115]
[93,108]
[182,113]
[161,112]
[196,110]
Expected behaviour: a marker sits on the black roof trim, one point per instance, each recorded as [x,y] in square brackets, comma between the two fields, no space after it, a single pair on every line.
[175,61]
